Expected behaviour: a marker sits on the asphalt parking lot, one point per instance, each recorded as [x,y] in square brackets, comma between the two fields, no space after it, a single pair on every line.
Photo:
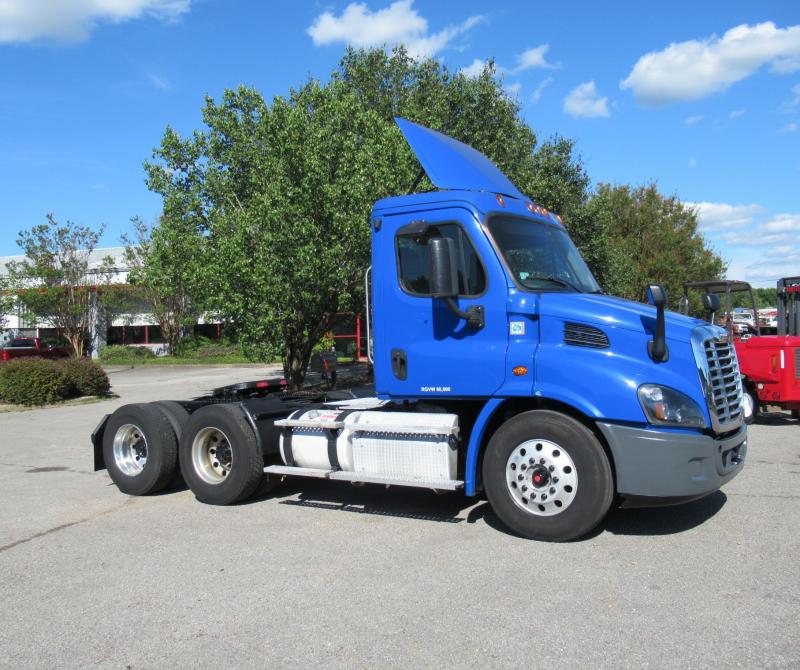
[338,576]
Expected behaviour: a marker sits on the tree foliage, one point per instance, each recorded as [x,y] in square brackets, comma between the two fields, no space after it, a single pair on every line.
[167,264]
[652,238]
[55,283]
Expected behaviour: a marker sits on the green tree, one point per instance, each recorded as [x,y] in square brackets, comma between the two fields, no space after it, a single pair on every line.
[654,239]
[55,282]
[282,191]
[167,264]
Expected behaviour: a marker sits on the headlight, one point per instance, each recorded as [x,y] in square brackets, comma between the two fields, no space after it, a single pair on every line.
[665,406]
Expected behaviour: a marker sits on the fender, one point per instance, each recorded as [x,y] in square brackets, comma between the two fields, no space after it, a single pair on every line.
[475,440]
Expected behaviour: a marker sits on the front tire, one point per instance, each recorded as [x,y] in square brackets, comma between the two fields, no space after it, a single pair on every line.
[220,459]
[547,476]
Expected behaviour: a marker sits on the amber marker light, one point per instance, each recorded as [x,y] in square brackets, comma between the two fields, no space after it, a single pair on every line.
[520,371]
[500,200]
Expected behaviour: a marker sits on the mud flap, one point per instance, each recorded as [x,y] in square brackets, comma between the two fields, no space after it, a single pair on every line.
[97,443]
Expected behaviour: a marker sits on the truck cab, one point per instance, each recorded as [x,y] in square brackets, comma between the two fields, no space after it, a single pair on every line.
[500,368]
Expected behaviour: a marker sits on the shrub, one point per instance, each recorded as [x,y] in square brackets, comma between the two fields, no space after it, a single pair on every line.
[33,381]
[117,352]
[86,377]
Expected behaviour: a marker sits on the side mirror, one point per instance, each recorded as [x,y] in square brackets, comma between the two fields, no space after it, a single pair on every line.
[442,268]
[711,302]
[657,295]
[444,280]
[657,347]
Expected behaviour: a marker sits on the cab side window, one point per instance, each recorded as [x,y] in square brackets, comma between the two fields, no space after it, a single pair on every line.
[413,261]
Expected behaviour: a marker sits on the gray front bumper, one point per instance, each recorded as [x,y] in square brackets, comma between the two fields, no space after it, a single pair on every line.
[663,464]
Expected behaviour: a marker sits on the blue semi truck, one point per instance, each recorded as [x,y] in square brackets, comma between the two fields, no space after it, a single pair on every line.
[500,368]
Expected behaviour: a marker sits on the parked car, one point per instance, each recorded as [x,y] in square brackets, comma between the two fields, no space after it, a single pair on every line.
[32,346]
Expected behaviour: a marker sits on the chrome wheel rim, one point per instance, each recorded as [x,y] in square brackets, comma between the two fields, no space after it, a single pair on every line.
[130,449]
[541,478]
[212,457]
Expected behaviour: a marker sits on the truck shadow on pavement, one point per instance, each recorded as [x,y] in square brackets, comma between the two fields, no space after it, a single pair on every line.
[455,508]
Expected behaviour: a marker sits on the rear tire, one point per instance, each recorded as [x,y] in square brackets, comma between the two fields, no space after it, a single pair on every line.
[220,459]
[140,449]
[547,476]
[178,417]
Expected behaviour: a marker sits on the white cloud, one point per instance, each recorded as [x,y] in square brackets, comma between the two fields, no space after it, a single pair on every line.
[783,223]
[691,120]
[474,69]
[399,23]
[736,113]
[721,216]
[74,20]
[790,127]
[583,100]
[533,58]
[698,68]
[536,95]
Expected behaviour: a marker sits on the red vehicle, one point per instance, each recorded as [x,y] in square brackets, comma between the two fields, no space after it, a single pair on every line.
[32,346]
[769,364]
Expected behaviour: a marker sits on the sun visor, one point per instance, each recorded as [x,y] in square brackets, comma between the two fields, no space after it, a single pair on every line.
[451,164]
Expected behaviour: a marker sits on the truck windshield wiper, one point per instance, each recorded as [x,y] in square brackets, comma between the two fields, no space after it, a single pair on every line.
[550,278]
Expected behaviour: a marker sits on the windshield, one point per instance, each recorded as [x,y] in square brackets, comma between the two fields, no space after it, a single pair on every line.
[541,256]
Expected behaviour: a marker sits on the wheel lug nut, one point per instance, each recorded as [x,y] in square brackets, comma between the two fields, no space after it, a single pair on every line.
[532,461]
[552,490]
[520,477]
[523,466]
[542,461]
[544,496]
[533,496]
[555,480]
[551,468]
[524,488]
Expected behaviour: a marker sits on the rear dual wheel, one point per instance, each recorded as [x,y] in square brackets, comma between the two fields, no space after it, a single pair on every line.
[140,449]
[547,476]
[220,458]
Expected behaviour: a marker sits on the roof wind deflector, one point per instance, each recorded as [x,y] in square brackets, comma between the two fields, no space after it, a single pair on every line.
[451,164]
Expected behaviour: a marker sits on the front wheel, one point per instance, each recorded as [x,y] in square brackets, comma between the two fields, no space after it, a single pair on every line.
[547,476]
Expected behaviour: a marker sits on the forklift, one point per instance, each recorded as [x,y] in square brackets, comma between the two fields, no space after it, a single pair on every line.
[769,364]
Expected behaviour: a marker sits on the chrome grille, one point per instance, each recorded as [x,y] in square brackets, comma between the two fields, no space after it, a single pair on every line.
[724,393]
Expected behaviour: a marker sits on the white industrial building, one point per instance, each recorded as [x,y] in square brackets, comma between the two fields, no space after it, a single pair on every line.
[138,328]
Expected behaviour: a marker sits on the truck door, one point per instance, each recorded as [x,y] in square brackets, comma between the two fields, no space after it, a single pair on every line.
[429,350]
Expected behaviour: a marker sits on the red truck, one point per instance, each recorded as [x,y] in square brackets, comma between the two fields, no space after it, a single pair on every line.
[32,346]
[769,364]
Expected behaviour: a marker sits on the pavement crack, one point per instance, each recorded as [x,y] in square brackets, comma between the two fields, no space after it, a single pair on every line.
[63,526]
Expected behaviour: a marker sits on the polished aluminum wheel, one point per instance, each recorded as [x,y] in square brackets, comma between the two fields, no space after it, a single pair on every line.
[541,477]
[212,458]
[130,449]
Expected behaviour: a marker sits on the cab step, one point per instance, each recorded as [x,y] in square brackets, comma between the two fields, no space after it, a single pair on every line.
[363,477]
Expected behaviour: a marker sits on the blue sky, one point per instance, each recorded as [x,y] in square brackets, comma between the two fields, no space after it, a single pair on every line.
[703,98]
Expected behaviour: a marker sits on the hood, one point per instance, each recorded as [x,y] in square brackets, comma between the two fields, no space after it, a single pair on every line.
[453,165]
[610,312]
